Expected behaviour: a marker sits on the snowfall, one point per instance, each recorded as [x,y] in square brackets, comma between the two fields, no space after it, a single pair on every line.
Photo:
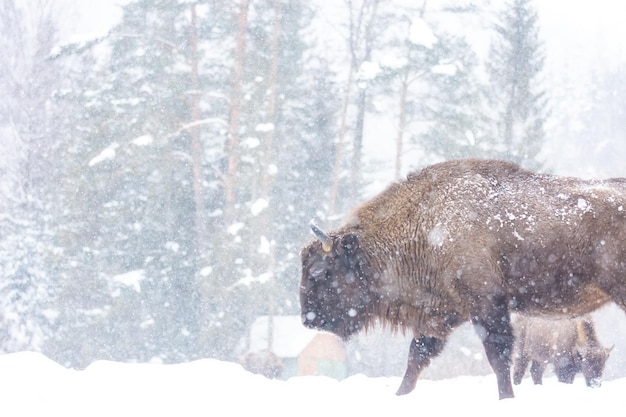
[33,385]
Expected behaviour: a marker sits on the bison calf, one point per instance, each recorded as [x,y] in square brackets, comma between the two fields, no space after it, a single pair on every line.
[468,240]
[569,345]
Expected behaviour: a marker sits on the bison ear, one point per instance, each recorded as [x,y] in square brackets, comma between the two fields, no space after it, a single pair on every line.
[350,243]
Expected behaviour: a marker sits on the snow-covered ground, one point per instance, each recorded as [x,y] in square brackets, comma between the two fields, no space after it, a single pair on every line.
[33,385]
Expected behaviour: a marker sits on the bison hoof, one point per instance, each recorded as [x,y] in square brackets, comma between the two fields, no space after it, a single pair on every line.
[404,389]
[595,382]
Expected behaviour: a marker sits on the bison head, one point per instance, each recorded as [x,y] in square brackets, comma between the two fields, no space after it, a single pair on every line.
[334,290]
[593,360]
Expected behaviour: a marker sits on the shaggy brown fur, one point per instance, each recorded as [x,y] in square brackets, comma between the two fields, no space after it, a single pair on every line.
[468,240]
[569,345]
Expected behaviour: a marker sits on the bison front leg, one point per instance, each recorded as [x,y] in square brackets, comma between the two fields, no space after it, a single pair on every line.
[494,327]
[519,368]
[421,351]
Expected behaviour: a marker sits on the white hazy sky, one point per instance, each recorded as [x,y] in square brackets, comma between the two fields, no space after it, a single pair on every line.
[583,30]
[570,27]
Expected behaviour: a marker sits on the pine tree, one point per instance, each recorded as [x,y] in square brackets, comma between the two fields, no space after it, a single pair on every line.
[433,87]
[362,29]
[285,114]
[446,100]
[515,65]
[139,185]
[594,122]
[136,286]
[29,167]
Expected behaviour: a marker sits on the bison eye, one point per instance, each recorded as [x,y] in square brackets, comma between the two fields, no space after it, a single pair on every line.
[317,272]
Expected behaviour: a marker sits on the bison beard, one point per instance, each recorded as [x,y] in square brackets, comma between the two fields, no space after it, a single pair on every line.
[468,240]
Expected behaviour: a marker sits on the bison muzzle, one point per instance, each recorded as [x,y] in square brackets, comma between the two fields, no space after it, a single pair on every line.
[468,240]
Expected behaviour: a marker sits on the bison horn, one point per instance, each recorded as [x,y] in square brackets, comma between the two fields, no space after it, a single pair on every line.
[327,242]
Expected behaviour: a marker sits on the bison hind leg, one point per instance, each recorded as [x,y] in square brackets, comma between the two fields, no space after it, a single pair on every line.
[493,326]
[519,368]
[536,371]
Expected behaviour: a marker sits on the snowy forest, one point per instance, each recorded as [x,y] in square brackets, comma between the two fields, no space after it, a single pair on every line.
[158,179]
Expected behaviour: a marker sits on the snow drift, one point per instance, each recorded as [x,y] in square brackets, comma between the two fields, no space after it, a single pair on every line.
[33,385]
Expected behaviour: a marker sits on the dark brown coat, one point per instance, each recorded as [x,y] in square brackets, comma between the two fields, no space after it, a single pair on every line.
[468,240]
[569,345]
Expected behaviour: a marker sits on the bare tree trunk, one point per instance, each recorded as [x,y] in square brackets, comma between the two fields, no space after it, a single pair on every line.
[267,162]
[334,190]
[271,105]
[196,145]
[404,88]
[367,20]
[235,104]
[508,122]
[402,120]
[357,148]
[360,36]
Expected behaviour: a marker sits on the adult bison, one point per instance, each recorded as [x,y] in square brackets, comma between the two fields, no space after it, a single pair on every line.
[569,345]
[468,240]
